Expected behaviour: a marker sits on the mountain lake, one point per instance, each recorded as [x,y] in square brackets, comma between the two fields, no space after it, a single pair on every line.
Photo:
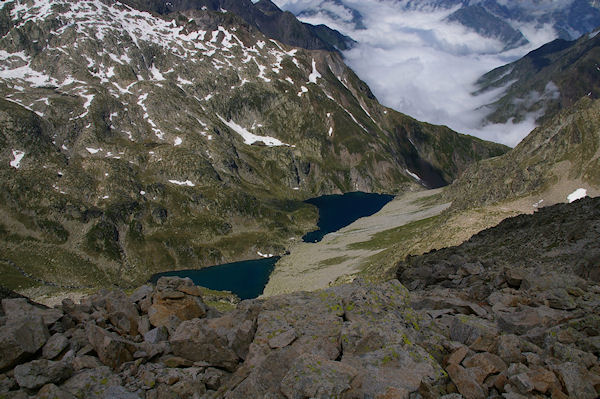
[340,210]
[247,279]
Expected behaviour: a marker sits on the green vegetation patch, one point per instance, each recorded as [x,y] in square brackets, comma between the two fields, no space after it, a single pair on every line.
[103,239]
[333,261]
[13,279]
[387,238]
[52,264]
[53,231]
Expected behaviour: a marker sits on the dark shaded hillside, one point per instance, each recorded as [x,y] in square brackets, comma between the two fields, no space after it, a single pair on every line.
[265,16]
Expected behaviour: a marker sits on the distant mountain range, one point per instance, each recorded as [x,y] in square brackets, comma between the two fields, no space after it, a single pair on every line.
[548,79]
[423,57]
[502,20]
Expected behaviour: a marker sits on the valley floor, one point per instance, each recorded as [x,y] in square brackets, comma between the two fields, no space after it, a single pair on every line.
[311,266]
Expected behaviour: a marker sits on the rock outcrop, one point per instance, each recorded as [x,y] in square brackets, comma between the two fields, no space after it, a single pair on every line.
[348,341]
[519,303]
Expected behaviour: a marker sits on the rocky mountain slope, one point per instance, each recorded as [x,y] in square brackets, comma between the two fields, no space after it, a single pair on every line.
[557,157]
[513,312]
[134,143]
[556,160]
[529,293]
[548,79]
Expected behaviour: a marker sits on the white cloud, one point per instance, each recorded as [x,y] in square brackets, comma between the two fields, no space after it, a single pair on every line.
[421,65]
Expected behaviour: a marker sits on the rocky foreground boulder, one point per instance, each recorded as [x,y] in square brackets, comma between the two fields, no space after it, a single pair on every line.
[359,340]
[468,327]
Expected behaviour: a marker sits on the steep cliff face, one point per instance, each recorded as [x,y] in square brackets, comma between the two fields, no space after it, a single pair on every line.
[134,143]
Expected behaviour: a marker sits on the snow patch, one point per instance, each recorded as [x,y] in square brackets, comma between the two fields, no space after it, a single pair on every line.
[156,75]
[184,81]
[182,183]
[93,150]
[414,175]
[302,91]
[18,156]
[18,102]
[264,255]
[178,141]
[312,78]
[23,72]
[88,101]
[250,138]
[261,71]
[577,194]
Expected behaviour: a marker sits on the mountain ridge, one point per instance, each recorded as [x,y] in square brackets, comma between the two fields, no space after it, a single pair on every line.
[563,151]
[264,15]
[490,18]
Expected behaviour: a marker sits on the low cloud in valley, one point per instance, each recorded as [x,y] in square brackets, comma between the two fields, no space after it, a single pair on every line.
[418,63]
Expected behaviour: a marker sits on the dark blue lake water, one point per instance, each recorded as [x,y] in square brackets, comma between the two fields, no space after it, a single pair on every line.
[337,211]
[247,279]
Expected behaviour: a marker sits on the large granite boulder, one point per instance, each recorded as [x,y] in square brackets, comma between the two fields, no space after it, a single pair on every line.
[175,299]
[15,308]
[37,373]
[21,338]
[221,342]
[111,349]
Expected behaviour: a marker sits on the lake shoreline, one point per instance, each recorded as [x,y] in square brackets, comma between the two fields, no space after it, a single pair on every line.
[335,212]
[312,266]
